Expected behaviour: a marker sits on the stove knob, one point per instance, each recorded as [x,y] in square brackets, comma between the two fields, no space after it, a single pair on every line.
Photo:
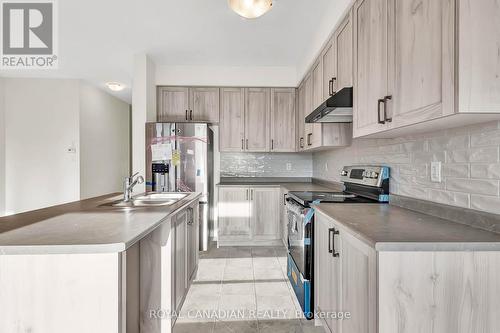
[374,174]
[343,173]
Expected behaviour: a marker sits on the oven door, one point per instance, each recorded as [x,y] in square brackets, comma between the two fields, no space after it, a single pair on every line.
[299,241]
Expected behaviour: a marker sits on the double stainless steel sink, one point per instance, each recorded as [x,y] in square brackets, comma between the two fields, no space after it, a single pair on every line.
[150,200]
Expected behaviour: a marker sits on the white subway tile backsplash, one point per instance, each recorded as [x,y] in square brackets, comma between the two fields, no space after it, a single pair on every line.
[486,203]
[473,155]
[449,198]
[470,157]
[443,143]
[487,138]
[485,171]
[477,186]
[265,165]
[456,170]
[426,157]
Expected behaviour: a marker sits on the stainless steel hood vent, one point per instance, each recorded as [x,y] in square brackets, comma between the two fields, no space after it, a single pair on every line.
[336,109]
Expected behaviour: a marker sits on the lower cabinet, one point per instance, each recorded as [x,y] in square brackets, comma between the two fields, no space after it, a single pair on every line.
[345,279]
[179,274]
[249,215]
[168,263]
[192,241]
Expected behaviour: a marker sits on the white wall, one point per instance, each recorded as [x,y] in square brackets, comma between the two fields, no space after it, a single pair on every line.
[2,148]
[226,76]
[41,117]
[143,110]
[104,142]
[470,158]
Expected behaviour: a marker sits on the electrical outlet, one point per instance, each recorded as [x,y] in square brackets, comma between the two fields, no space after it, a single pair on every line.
[289,167]
[436,172]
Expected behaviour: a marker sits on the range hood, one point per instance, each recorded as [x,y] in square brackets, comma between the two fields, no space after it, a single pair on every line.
[336,109]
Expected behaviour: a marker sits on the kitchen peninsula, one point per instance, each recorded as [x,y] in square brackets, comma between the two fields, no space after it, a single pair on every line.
[88,266]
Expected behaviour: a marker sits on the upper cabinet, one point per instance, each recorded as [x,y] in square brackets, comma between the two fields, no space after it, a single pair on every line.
[232,120]
[301,125]
[370,65]
[257,120]
[406,75]
[188,104]
[283,118]
[479,56]
[204,104]
[173,104]
[342,40]
[257,109]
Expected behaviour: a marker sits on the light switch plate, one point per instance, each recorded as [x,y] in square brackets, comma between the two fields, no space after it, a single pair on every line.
[436,172]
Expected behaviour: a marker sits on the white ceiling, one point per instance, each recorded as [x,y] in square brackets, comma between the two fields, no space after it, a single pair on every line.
[98,39]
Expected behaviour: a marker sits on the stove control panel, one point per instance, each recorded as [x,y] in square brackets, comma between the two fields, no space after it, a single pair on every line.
[368,175]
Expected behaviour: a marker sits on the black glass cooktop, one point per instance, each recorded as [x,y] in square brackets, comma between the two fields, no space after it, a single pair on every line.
[305,198]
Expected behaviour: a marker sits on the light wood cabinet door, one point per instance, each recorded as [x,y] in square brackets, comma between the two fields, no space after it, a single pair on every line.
[326,272]
[370,65]
[234,213]
[204,104]
[317,82]
[329,69]
[192,240]
[232,120]
[257,109]
[265,214]
[359,283]
[173,104]
[179,259]
[301,125]
[343,55]
[283,120]
[421,60]
[478,56]
[311,131]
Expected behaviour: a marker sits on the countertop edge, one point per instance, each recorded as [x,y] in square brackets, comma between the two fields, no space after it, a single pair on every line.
[93,248]
[437,247]
[415,246]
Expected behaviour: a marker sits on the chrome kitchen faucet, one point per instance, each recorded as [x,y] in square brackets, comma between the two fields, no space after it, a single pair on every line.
[128,185]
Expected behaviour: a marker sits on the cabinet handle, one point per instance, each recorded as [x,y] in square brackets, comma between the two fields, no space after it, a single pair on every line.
[186,114]
[190,114]
[301,143]
[330,87]
[247,144]
[386,98]
[242,144]
[380,120]
[309,136]
[251,194]
[334,79]
[247,194]
[335,254]
[272,144]
[330,239]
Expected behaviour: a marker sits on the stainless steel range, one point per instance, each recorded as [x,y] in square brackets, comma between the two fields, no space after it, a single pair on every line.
[362,184]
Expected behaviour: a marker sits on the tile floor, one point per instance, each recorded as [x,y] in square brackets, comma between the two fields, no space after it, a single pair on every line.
[248,291]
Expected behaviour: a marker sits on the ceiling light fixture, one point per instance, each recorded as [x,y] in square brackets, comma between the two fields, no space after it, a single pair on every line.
[250,8]
[115,86]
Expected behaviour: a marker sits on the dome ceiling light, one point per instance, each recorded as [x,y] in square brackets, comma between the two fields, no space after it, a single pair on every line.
[250,8]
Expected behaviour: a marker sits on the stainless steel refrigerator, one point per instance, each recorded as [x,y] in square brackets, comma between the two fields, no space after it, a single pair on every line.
[179,158]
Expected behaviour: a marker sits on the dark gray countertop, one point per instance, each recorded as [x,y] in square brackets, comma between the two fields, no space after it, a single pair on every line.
[86,226]
[390,228]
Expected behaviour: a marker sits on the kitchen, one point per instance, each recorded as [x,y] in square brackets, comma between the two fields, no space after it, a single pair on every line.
[304,167]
